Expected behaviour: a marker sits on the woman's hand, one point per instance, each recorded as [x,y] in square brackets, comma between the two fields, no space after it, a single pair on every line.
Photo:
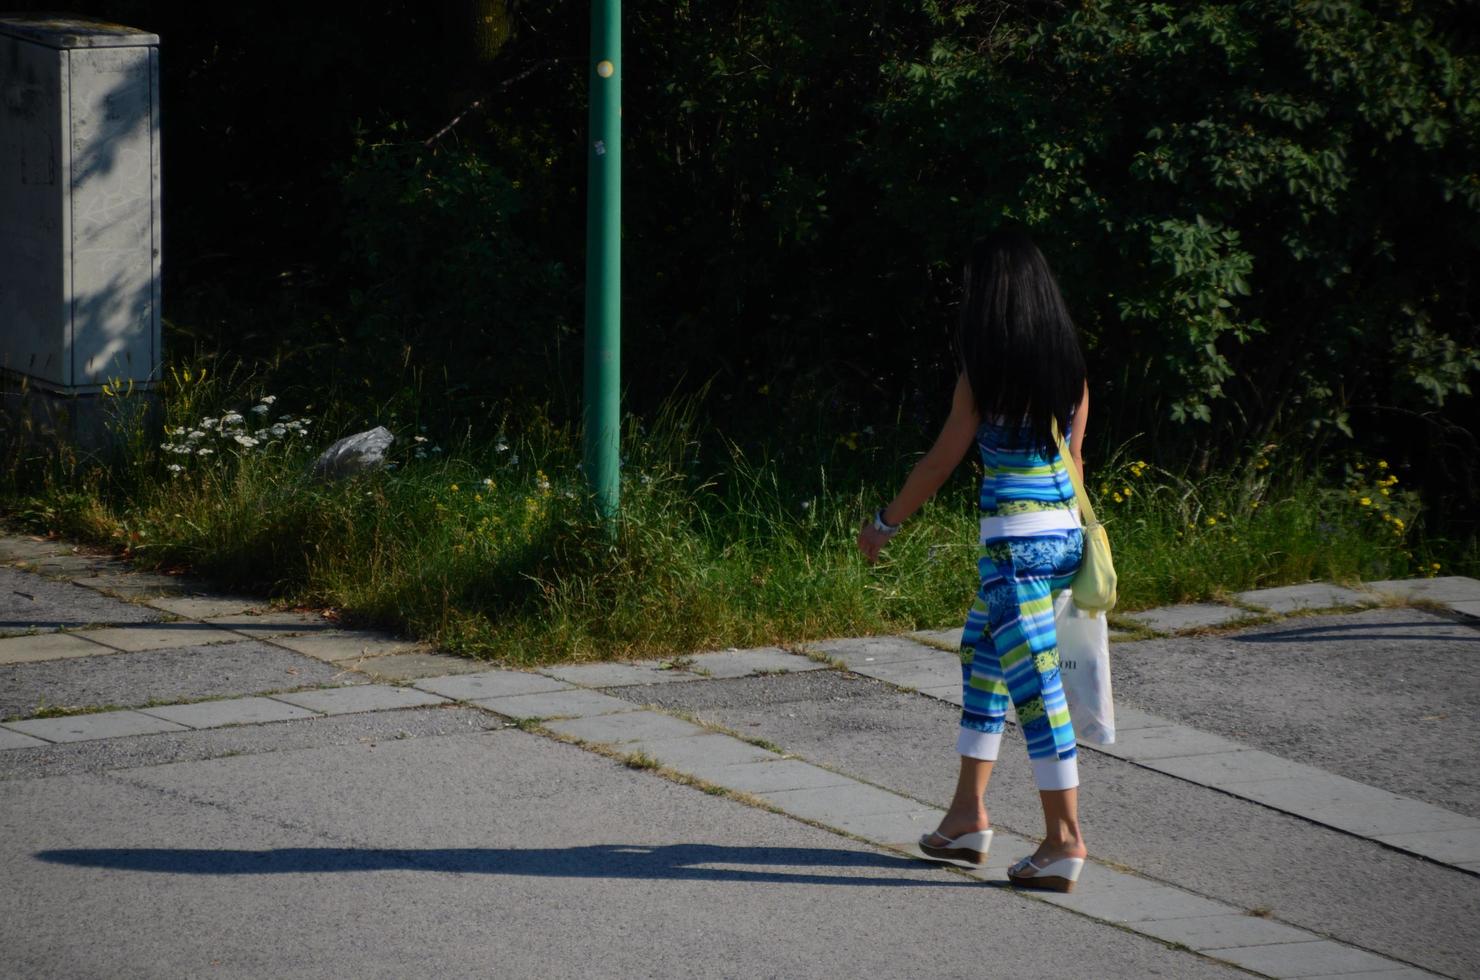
[871,540]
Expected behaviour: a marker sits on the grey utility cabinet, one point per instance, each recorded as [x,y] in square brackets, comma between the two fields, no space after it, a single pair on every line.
[79,206]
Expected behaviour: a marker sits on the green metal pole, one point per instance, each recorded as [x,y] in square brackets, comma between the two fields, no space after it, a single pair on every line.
[603,260]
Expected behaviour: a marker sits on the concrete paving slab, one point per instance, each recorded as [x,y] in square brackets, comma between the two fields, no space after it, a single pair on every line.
[769,775]
[694,754]
[742,663]
[117,755]
[630,727]
[181,674]
[1227,769]
[362,697]
[1174,619]
[412,666]
[347,646]
[14,547]
[1129,719]
[902,828]
[1223,931]
[237,711]
[31,602]
[950,638]
[1452,588]
[1351,806]
[556,704]
[1312,595]
[11,739]
[875,650]
[207,606]
[1146,744]
[102,724]
[132,639]
[1307,959]
[1116,897]
[831,804]
[1470,608]
[49,646]
[617,674]
[1396,973]
[136,584]
[69,565]
[1460,846]
[919,675]
[949,693]
[265,624]
[490,684]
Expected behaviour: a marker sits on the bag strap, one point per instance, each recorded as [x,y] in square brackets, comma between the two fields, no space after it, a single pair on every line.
[1087,508]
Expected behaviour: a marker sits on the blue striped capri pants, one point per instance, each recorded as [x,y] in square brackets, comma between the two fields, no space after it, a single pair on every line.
[1009,650]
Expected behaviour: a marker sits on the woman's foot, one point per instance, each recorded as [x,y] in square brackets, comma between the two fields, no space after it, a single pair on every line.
[1050,851]
[954,824]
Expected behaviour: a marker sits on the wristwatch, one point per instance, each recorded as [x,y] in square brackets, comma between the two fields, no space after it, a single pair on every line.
[882,526]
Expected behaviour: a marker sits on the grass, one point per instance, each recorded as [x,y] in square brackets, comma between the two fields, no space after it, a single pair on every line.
[489,548]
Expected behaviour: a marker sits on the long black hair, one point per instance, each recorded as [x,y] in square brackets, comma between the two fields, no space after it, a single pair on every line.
[1017,344]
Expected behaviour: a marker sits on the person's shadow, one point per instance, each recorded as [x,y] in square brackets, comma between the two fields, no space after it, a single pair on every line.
[706,862]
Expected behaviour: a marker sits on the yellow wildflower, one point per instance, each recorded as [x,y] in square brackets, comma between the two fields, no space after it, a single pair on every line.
[1435,566]
[1365,501]
[1117,498]
[1211,521]
[1382,464]
[1398,523]
[454,488]
[1126,491]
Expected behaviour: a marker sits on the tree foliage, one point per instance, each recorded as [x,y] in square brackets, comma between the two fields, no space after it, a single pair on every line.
[1264,212]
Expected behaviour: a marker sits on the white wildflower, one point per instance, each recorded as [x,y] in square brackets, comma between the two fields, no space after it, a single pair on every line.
[247,441]
[259,409]
[174,467]
[203,451]
[268,399]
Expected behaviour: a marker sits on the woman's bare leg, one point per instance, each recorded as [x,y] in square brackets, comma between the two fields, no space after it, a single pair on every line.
[1061,836]
[967,811]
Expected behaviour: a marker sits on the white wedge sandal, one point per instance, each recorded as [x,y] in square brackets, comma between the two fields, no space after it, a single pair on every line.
[1057,876]
[968,848]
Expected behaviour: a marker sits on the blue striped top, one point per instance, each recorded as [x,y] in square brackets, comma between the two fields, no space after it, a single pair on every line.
[1019,481]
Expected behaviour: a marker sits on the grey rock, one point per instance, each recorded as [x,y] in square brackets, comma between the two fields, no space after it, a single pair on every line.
[356,453]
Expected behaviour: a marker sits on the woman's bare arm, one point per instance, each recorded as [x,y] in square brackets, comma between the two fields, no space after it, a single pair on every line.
[933,469]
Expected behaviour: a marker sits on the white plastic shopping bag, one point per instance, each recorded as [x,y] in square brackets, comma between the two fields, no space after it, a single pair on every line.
[1084,668]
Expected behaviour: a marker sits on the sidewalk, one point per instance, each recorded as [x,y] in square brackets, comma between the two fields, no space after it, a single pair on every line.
[738,813]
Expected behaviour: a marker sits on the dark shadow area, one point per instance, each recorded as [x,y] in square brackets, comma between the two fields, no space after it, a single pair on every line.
[674,861]
[1346,632]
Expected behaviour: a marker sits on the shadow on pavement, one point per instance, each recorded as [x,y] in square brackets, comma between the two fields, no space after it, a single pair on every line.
[676,861]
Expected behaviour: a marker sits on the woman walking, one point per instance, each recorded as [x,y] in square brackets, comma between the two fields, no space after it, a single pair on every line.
[1022,381]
